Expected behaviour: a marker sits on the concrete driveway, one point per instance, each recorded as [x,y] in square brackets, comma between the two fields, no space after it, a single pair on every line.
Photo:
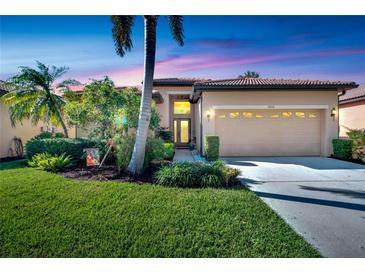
[323,199]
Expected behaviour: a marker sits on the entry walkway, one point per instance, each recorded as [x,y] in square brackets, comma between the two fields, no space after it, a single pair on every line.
[183,155]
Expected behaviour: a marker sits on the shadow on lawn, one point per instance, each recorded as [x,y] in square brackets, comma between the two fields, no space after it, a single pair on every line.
[13,164]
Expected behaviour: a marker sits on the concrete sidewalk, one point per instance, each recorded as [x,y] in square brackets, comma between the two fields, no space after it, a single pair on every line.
[182,155]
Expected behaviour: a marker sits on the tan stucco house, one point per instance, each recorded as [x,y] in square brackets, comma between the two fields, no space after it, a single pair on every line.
[352,109]
[253,116]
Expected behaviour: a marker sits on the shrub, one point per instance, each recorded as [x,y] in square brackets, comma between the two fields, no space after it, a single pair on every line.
[231,175]
[358,147]
[43,135]
[169,151]
[212,175]
[156,149]
[164,134]
[342,148]
[59,135]
[179,174]
[197,174]
[72,147]
[211,147]
[123,150]
[48,162]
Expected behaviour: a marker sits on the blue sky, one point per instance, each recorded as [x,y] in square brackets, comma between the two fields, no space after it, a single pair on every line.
[216,47]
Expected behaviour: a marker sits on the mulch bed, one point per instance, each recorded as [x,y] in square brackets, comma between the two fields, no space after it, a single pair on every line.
[107,173]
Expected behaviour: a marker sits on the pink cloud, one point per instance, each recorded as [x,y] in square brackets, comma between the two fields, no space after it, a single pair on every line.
[183,64]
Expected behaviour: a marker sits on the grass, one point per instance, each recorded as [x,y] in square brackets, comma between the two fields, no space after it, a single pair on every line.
[13,164]
[45,215]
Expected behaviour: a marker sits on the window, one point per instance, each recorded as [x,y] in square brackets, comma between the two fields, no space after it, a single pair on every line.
[234,114]
[221,116]
[287,114]
[247,114]
[181,107]
[300,114]
[274,116]
[312,115]
[259,116]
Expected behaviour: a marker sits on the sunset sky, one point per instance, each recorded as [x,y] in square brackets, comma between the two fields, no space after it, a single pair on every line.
[216,47]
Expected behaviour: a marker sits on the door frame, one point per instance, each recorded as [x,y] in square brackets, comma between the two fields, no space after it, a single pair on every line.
[178,142]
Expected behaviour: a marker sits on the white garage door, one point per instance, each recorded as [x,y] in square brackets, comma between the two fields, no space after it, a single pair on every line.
[268,132]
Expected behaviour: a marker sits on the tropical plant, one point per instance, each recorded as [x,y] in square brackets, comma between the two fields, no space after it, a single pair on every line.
[249,74]
[358,147]
[197,174]
[96,108]
[33,95]
[48,162]
[122,35]
[101,106]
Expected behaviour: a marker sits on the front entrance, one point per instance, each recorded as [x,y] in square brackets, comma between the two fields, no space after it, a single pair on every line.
[182,131]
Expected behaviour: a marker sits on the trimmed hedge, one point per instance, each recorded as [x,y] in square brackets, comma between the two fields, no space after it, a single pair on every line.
[211,147]
[57,146]
[342,148]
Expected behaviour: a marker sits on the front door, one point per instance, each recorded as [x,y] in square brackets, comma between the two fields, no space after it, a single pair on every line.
[181,131]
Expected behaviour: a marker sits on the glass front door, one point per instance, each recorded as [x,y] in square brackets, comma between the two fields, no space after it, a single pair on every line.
[181,131]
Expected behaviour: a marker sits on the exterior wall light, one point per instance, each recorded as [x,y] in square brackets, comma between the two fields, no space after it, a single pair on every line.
[208,114]
[333,113]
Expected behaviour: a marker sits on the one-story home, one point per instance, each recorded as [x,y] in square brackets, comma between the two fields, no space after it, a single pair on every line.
[253,116]
[352,109]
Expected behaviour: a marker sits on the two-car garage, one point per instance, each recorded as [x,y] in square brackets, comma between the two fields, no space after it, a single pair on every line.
[269,117]
[262,132]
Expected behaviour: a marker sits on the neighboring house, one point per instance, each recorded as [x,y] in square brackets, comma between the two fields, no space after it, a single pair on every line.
[352,109]
[24,131]
[253,116]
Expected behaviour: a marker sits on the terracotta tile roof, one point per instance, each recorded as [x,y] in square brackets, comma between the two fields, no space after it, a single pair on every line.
[353,95]
[273,83]
[177,81]
[248,83]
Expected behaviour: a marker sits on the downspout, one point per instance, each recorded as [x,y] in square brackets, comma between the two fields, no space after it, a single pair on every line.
[201,124]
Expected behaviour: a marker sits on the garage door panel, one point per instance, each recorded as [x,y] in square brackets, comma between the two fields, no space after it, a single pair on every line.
[268,136]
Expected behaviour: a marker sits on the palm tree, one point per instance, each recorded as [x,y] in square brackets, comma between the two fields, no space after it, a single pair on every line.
[33,96]
[122,35]
[249,74]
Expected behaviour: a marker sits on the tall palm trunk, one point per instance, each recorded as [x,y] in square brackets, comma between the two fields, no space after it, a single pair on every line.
[65,131]
[60,118]
[137,160]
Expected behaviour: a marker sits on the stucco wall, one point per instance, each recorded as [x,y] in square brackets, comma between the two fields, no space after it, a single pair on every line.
[24,131]
[352,115]
[269,99]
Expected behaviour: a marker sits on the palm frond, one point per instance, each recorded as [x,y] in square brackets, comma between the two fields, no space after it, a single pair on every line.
[57,72]
[177,28]
[122,33]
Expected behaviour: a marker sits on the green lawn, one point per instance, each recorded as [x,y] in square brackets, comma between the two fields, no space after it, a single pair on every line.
[45,215]
[13,164]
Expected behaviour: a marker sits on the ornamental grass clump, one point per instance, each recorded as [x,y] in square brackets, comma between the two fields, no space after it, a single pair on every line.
[49,162]
[197,174]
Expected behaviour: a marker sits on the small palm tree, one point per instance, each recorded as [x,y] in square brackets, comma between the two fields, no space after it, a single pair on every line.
[122,35]
[33,96]
[249,74]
